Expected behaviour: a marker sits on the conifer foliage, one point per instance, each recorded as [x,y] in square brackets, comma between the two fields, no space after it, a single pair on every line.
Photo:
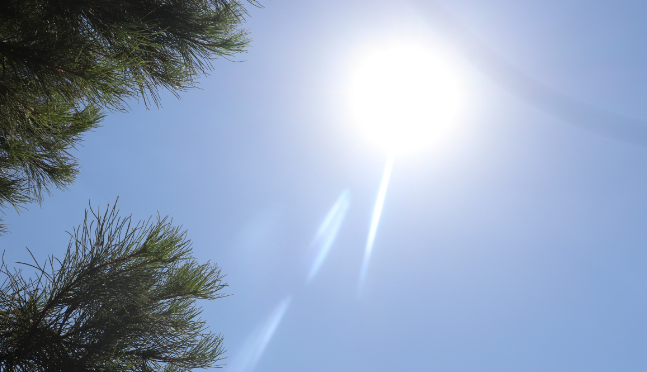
[63,62]
[122,299]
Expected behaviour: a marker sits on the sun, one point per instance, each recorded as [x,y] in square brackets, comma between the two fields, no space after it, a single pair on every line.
[404,97]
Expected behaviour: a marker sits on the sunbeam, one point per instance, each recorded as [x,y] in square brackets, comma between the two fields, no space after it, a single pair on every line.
[377,213]
[253,349]
[327,233]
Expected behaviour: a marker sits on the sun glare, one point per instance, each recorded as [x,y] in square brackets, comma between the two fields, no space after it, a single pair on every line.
[404,97]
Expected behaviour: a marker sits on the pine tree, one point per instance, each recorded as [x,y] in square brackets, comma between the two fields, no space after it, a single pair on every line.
[122,299]
[64,62]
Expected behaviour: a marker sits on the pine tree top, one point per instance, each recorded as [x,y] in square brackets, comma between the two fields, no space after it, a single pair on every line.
[64,61]
[121,299]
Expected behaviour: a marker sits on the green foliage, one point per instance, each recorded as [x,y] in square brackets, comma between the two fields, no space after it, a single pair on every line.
[122,299]
[34,151]
[64,61]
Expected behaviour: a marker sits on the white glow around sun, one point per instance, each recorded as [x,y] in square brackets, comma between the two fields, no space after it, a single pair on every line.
[404,97]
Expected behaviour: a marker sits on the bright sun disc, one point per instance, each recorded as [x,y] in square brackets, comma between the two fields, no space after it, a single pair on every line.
[404,97]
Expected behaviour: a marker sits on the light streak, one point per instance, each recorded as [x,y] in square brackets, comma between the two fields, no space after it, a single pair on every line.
[327,232]
[377,213]
[253,349]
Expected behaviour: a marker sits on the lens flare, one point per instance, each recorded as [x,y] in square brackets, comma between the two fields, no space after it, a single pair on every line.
[251,352]
[327,233]
[375,220]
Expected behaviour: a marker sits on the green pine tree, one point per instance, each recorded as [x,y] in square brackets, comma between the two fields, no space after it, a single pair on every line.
[64,62]
[122,299]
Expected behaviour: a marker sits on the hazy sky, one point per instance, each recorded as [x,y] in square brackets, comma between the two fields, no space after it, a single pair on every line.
[516,244]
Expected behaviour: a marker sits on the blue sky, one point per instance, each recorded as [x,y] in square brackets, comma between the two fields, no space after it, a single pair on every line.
[516,245]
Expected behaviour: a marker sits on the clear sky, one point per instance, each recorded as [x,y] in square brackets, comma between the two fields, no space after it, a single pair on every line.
[515,244]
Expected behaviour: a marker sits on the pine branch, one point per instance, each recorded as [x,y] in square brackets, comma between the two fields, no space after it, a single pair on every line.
[123,296]
[66,61]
